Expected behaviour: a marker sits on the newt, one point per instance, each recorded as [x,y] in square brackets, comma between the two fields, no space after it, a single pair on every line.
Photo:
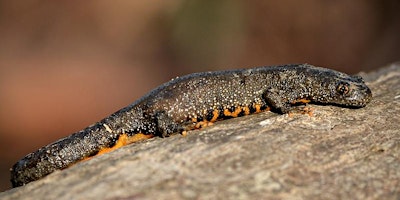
[194,101]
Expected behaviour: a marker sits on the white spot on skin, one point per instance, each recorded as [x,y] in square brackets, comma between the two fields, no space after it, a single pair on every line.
[108,129]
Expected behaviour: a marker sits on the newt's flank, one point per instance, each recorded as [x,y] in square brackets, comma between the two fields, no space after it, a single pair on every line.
[193,101]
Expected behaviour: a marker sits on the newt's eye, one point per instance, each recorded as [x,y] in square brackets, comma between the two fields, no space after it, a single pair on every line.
[343,88]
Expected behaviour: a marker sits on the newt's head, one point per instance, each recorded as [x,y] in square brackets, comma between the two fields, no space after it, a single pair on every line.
[352,91]
[339,88]
[342,89]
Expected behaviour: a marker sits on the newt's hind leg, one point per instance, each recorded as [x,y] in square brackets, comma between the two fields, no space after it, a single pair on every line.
[165,125]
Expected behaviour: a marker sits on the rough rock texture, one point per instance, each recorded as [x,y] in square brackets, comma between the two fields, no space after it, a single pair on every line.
[338,153]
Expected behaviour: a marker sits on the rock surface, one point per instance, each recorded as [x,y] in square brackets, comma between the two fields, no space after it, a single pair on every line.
[338,153]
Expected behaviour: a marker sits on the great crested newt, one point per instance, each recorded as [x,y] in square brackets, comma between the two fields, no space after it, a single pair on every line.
[193,101]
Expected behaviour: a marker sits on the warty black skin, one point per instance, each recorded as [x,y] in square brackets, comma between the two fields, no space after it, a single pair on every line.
[171,107]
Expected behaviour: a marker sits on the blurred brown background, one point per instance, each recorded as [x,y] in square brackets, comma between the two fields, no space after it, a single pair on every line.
[66,64]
